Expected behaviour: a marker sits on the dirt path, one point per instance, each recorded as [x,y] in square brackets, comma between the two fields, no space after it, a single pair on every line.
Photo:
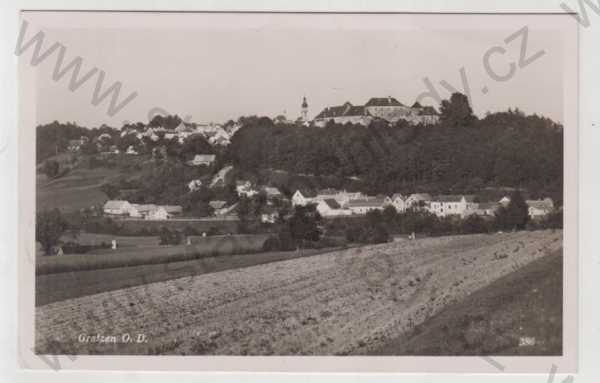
[344,302]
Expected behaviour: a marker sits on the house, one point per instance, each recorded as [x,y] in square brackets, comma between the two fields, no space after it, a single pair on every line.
[398,201]
[269,215]
[220,208]
[140,211]
[173,210]
[416,200]
[342,197]
[244,188]
[159,213]
[202,159]
[272,192]
[446,205]
[487,208]
[303,197]
[131,150]
[329,207]
[504,201]
[219,178]
[217,204]
[194,185]
[116,207]
[365,205]
[227,210]
[220,137]
[539,208]
[74,145]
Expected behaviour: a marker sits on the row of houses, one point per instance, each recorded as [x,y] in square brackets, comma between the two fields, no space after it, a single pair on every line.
[216,134]
[145,211]
[334,203]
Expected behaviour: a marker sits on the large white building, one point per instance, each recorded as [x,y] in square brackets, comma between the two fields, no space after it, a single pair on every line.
[457,205]
[539,208]
[342,197]
[363,206]
[385,108]
[331,208]
[116,207]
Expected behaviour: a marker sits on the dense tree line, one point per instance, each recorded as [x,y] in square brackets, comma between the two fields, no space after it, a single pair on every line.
[460,154]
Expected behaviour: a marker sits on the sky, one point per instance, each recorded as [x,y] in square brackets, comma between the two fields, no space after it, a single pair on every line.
[216,74]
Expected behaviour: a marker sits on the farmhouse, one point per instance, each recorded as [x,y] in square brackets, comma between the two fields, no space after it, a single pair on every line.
[244,188]
[342,197]
[303,197]
[416,200]
[504,201]
[202,159]
[159,213]
[487,209]
[539,208]
[173,210]
[220,208]
[116,207]
[269,215]
[460,205]
[195,185]
[365,205]
[398,201]
[140,211]
[272,192]
[331,208]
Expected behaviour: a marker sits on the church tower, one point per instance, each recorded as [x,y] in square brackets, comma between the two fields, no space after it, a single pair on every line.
[304,115]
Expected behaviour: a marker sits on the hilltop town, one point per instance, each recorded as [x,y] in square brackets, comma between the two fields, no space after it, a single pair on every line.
[256,173]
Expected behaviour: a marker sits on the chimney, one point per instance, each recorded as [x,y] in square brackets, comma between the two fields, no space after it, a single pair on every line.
[389,100]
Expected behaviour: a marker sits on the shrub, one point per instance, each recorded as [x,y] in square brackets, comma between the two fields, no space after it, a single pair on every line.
[169,237]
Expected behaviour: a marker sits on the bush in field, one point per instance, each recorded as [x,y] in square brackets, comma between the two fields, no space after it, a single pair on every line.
[374,228]
[51,168]
[76,248]
[189,230]
[50,225]
[515,215]
[475,224]
[103,225]
[304,224]
[111,190]
[553,220]
[213,231]
[169,237]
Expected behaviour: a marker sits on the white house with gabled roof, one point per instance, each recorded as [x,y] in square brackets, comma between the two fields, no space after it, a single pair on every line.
[447,205]
[116,207]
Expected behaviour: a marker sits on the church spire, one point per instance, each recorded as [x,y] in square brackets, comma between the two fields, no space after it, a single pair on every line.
[304,109]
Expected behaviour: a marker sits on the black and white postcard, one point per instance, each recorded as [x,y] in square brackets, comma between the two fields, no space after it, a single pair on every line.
[255,191]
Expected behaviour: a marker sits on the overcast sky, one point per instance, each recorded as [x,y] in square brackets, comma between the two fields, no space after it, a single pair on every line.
[219,74]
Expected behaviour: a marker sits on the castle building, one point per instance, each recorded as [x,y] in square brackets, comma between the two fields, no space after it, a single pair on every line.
[384,108]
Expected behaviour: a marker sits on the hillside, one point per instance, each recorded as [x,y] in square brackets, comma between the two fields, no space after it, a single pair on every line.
[503,149]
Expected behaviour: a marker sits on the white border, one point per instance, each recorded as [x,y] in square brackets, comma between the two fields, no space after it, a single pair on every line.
[589,259]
